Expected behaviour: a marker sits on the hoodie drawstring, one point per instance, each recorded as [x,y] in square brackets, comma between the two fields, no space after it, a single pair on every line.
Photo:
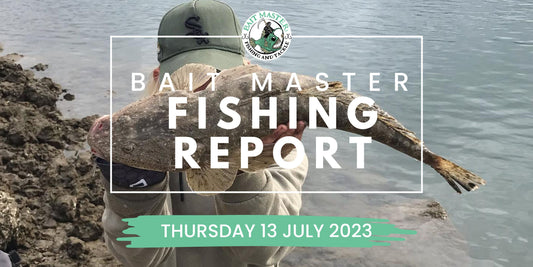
[182,195]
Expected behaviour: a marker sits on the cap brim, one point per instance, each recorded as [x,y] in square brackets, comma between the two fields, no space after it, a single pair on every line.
[219,59]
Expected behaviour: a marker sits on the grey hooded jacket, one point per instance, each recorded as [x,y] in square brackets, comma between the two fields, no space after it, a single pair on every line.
[274,178]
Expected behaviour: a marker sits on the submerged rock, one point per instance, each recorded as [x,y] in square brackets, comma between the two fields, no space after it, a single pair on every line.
[68,97]
[40,67]
[435,210]
[436,243]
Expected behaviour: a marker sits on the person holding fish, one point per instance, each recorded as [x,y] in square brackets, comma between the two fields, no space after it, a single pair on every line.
[198,18]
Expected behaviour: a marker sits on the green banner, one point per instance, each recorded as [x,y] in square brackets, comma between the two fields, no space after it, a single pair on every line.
[258,230]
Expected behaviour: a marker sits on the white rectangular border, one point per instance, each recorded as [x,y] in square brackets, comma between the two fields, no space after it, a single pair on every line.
[421,191]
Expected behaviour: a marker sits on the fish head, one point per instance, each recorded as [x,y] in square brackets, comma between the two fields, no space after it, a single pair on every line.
[98,137]
[128,139]
[140,139]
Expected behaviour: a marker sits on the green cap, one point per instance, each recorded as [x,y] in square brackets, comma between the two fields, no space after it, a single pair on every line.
[205,17]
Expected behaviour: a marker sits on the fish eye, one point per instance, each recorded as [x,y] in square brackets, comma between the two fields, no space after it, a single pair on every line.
[129,148]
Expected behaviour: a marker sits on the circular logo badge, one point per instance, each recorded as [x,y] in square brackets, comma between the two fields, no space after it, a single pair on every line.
[266,35]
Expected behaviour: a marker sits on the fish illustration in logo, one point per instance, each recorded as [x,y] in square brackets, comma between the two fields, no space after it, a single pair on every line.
[269,41]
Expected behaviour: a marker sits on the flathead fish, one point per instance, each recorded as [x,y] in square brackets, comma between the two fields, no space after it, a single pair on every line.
[142,138]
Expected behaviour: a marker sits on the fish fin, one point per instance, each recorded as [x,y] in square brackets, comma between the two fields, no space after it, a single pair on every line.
[454,173]
[266,158]
[207,179]
[180,78]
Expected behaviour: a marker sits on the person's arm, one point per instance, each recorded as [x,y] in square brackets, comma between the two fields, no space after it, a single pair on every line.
[274,178]
[119,206]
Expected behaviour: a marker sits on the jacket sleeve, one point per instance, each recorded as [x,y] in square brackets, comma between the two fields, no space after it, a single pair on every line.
[273,178]
[119,206]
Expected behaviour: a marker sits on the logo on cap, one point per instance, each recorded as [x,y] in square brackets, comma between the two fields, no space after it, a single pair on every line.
[193,24]
[266,35]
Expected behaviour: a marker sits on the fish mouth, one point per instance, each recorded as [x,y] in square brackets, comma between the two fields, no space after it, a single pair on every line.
[98,125]
[277,45]
[96,153]
[97,133]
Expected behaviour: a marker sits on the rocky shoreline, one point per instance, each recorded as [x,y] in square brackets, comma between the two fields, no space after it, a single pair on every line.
[50,195]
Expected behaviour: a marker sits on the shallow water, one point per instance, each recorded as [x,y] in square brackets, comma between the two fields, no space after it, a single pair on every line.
[477,91]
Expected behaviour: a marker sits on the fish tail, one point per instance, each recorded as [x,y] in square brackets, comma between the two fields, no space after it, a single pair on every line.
[455,174]
[387,130]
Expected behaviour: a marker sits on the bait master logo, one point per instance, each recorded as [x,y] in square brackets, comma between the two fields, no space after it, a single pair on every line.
[266,35]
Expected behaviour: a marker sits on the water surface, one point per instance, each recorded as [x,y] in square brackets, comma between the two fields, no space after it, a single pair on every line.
[477,92]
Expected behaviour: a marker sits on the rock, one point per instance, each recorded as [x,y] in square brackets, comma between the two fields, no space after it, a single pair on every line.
[51,135]
[36,95]
[8,112]
[75,136]
[64,208]
[435,210]
[4,128]
[60,162]
[18,135]
[74,247]
[10,182]
[6,156]
[23,166]
[46,82]
[88,121]
[14,57]
[40,67]
[68,97]
[43,243]
[12,76]
[9,217]
[46,194]
[34,258]
[87,230]
[50,223]
[84,163]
